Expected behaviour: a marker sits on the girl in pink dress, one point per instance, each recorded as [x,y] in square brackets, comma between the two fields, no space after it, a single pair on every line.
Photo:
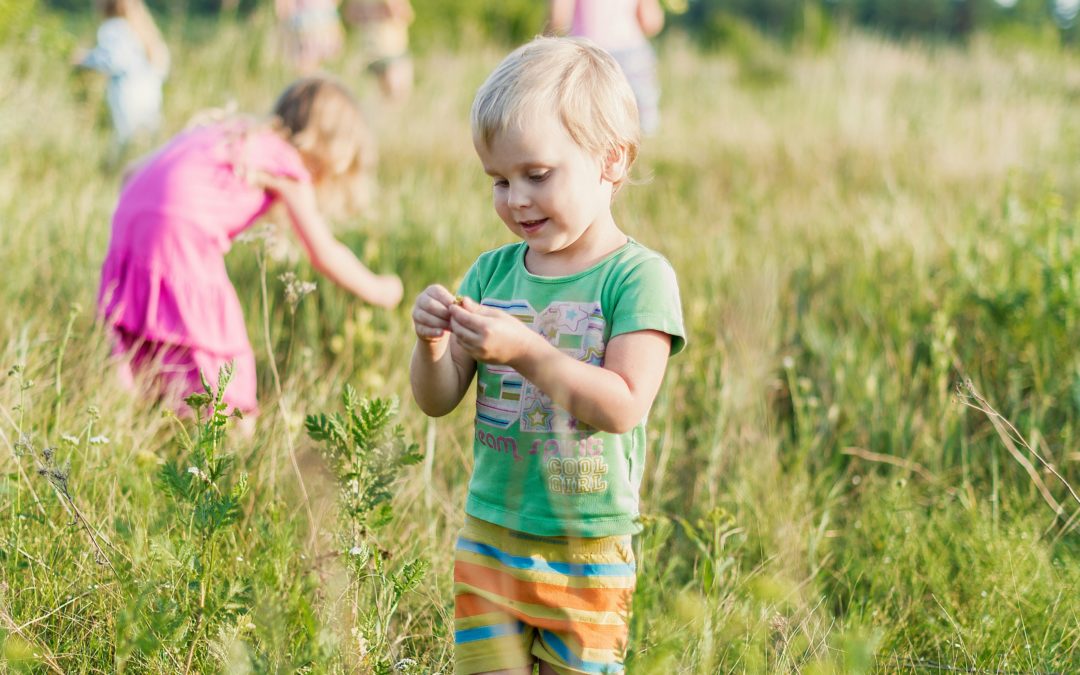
[165,293]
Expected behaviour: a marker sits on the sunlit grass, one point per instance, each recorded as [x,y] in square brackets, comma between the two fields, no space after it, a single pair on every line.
[854,233]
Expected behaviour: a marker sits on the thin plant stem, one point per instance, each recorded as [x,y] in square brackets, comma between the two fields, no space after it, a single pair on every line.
[58,401]
[282,408]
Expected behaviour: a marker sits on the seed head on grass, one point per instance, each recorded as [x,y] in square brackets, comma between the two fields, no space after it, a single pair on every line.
[295,289]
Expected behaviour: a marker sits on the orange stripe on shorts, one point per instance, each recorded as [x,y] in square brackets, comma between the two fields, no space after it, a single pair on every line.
[539,593]
[589,635]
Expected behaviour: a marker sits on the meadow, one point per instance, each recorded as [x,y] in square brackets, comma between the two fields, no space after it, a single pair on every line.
[862,462]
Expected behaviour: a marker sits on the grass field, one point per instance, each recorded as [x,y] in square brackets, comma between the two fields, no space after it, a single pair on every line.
[858,232]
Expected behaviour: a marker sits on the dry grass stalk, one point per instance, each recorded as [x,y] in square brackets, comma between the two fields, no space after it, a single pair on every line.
[9,624]
[1011,437]
[901,462]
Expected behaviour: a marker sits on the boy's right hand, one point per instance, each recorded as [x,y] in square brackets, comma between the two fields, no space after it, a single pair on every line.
[431,314]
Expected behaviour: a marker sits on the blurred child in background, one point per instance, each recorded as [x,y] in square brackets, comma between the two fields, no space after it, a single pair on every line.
[165,292]
[132,53]
[567,333]
[384,27]
[310,32]
[623,28]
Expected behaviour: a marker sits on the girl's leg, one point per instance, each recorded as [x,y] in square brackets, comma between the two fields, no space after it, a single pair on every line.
[397,79]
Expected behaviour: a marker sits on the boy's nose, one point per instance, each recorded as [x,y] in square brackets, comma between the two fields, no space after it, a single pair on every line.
[517,198]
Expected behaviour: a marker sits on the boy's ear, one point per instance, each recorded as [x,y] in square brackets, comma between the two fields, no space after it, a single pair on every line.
[615,165]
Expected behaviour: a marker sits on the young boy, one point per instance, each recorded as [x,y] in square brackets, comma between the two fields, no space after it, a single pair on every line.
[568,332]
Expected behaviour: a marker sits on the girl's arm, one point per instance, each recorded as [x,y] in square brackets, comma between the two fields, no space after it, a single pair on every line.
[560,16]
[650,16]
[401,10]
[328,255]
[440,371]
[613,398]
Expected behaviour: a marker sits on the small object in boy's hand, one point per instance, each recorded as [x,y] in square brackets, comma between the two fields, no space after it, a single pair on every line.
[459,300]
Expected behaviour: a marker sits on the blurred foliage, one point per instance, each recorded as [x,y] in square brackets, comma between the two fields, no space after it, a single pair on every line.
[1039,20]
[715,23]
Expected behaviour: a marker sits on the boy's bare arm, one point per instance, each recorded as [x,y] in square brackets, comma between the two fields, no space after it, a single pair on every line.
[612,398]
[440,371]
[440,374]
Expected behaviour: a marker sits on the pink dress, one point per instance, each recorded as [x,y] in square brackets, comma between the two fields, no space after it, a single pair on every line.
[164,288]
[611,24]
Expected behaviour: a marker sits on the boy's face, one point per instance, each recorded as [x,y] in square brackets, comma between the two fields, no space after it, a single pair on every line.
[547,189]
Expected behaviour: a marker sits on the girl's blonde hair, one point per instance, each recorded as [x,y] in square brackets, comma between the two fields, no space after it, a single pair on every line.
[572,77]
[322,120]
[142,22]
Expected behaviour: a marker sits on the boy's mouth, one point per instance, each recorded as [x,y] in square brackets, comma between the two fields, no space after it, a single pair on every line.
[530,226]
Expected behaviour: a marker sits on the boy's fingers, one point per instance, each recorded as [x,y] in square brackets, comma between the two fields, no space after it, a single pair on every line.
[431,322]
[476,308]
[433,307]
[440,293]
[464,317]
[465,334]
[430,331]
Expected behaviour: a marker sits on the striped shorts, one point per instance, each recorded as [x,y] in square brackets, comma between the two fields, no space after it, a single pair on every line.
[519,598]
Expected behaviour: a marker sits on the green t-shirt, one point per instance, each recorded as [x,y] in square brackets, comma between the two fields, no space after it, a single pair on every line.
[537,469]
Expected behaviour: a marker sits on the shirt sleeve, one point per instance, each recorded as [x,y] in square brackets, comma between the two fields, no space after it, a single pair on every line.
[648,299]
[470,285]
[270,153]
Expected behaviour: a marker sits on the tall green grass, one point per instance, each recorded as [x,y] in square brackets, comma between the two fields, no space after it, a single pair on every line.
[856,232]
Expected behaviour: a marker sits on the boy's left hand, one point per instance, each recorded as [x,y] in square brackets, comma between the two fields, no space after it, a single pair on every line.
[490,335]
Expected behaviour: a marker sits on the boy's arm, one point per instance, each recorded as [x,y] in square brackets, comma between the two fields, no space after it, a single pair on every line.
[440,374]
[612,398]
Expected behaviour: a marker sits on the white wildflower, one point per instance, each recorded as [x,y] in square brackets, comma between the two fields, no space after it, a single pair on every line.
[99,440]
[295,289]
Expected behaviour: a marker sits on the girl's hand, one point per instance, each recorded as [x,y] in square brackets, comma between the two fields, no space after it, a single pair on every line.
[491,335]
[390,291]
[431,314]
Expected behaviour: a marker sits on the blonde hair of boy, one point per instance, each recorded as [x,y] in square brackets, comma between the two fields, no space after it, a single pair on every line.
[575,79]
[322,120]
[141,21]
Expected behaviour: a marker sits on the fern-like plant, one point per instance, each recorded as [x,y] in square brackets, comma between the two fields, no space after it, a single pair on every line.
[366,453]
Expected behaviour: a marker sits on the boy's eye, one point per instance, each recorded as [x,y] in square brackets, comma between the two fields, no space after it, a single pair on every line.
[501,182]
[539,177]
